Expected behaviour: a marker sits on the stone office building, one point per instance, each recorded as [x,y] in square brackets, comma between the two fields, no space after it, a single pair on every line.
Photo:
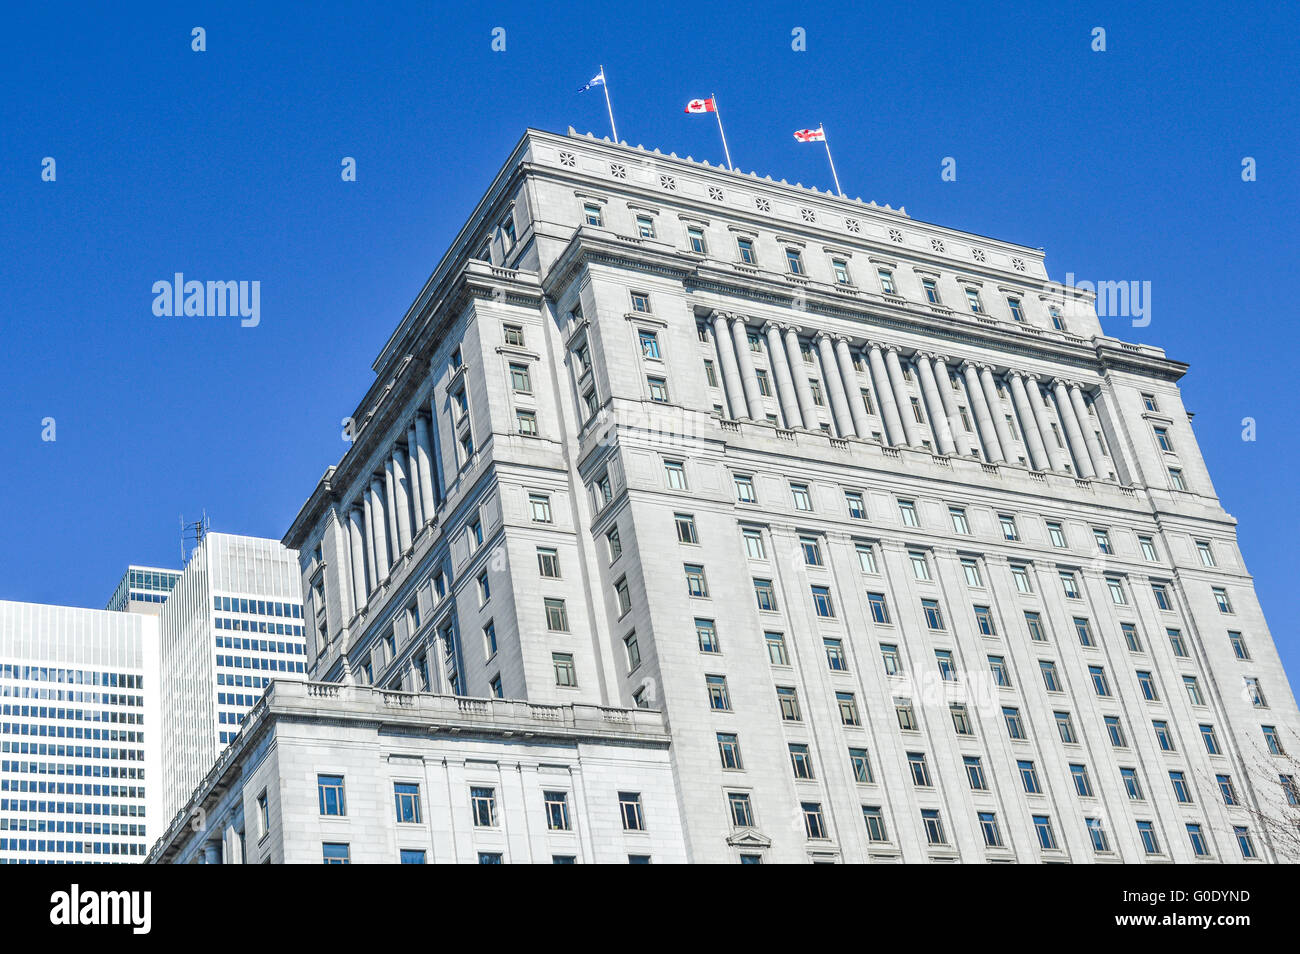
[918,563]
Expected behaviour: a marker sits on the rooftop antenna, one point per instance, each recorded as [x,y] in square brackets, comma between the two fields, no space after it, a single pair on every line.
[198,529]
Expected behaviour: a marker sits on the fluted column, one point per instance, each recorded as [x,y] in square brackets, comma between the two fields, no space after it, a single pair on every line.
[390,497]
[983,418]
[401,499]
[424,460]
[1043,416]
[413,479]
[781,371]
[1072,430]
[943,382]
[731,386]
[357,547]
[1000,427]
[901,402]
[835,386]
[1028,422]
[894,433]
[802,389]
[748,374]
[933,401]
[857,410]
[1089,435]
[379,517]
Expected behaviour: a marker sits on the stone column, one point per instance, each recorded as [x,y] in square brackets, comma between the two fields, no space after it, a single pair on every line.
[784,379]
[1089,435]
[390,510]
[1028,422]
[424,456]
[1055,453]
[1073,432]
[802,389]
[983,418]
[857,410]
[938,413]
[356,546]
[835,386]
[903,405]
[414,478]
[402,499]
[1005,438]
[731,385]
[378,510]
[894,433]
[368,529]
[943,381]
[748,376]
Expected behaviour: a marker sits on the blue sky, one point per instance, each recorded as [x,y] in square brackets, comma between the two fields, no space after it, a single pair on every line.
[1124,165]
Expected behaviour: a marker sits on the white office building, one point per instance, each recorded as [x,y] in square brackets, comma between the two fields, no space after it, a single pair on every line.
[143,589]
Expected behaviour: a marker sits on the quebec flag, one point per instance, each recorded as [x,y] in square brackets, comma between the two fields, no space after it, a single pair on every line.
[597,80]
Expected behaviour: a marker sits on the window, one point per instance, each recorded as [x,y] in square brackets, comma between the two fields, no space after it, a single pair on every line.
[513,335]
[263,815]
[989,827]
[857,506]
[906,714]
[754,548]
[633,649]
[848,707]
[1043,828]
[675,473]
[1131,637]
[1020,574]
[1221,600]
[875,821]
[591,214]
[959,521]
[973,300]
[710,373]
[1100,843]
[886,281]
[879,607]
[615,544]
[841,270]
[746,248]
[776,651]
[836,660]
[970,568]
[794,260]
[706,635]
[695,238]
[1193,690]
[1148,549]
[411,856]
[645,226]
[1057,534]
[336,854]
[1132,784]
[520,380]
[1272,740]
[822,602]
[1099,683]
[1015,724]
[565,675]
[1210,739]
[1176,478]
[765,594]
[638,859]
[975,773]
[623,594]
[484,589]
[788,698]
[816,387]
[1147,683]
[629,805]
[658,388]
[1051,679]
[1238,646]
[1163,439]
[548,562]
[330,791]
[1058,323]
[649,340]
[802,500]
[933,826]
[1065,727]
[933,614]
[729,750]
[1147,832]
[920,566]
[557,615]
[1161,594]
[892,661]
[742,812]
[1244,841]
[920,770]
[1116,587]
[984,621]
[539,507]
[931,290]
[1017,313]
[696,583]
[1182,793]
[1029,777]
[1008,525]
[490,639]
[861,765]
[907,510]
[526,422]
[1149,402]
[1164,738]
[745,489]
[1034,623]
[961,721]
[801,761]
[813,821]
[557,811]
[1069,585]
[866,558]
[1082,784]
[1226,789]
[483,806]
[719,698]
[407,798]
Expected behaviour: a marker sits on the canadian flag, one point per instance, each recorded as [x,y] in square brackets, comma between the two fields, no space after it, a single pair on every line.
[701,106]
[810,135]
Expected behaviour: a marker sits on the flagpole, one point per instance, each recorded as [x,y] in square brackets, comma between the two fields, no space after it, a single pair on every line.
[605,86]
[718,113]
[827,143]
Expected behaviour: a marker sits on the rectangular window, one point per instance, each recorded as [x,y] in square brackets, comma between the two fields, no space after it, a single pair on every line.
[649,340]
[1238,646]
[729,751]
[629,805]
[633,649]
[813,820]
[1057,534]
[330,790]
[520,379]
[875,821]
[1082,784]
[1020,574]
[1221,600]
[539,508]
[973,300]
[1205,552]
[984,621]
[919,768]
[907,510]
[591,214]
[840,268]
[866,558]
[719,697]
[776,651]
[1065,727]
[566,676]
[1070,585]
[557,811]
[892,661]
[483,805]
[959,521]
[685,523]
[557,615]
[836,660]
[1131,637]
[1034,623]
[802,499]
[765,594]
[801,761]
[706,635]
[336,854]
[1029,777]
[745,489]
[822,602]
[931,290]
[794,260]
[746,248]
[920,565]
[645,226]
[695,237]
[1148,549]
[861,765]
[675,473]
[1015,724]
[1017,313]
[879,607]
[933,614]
[933,827]
[1163,440]
[407,798]
[658,388]
[696,583]
[856,504]
[848,707]
[970,568]
[742,812]
[788,698]
[1008,524]
[754,548]
[1100,684]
